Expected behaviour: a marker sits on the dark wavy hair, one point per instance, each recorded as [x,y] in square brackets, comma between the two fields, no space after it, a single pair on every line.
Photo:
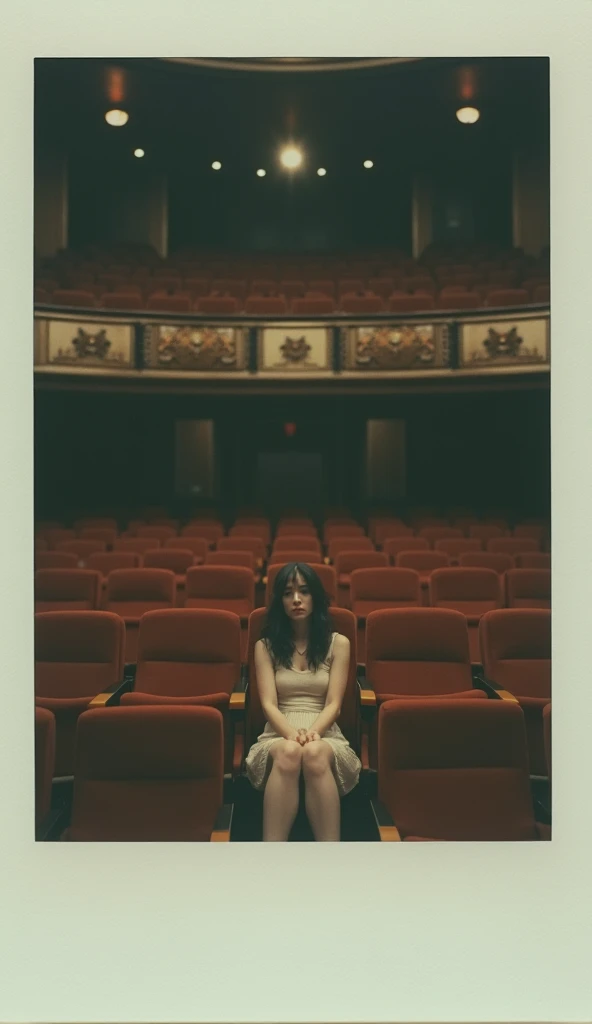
[277,628]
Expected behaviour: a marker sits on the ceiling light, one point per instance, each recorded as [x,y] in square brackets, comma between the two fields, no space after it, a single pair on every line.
[468,115]
[216,165]
[117,118]
[139,153]
[368,164]
[291,157]
[321,172]
[261,173]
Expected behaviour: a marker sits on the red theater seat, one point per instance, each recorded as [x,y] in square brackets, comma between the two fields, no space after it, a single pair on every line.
[81,549]
[217,304]
[73,297]
[532,560]
[455,771]
[223,587]
[77,656]
[189,656]
[516,649]
[197,545]
[55,560]
[347,561]
[178,560]
[417,652]
[512,545]
[271,305]
[351,303]
[137,545]
[67,590]
[472,591]
[107,534]
[313,305]
[133,592]
[45,747]
[148,774]
[161,533]
[106,561]
[508,297]
[528,588]
[410,303]
[455,547]
[486,560]
[434,533]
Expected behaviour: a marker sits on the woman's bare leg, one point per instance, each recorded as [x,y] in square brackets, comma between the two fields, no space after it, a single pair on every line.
[280,800]
[322,797]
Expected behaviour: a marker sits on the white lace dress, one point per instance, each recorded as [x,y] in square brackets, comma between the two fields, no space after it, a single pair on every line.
[301,698]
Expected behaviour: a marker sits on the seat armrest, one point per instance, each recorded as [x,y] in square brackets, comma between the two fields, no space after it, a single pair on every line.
[365,689]
[492,690]
[239,694]
[387,829]
[112,695]
[223,824]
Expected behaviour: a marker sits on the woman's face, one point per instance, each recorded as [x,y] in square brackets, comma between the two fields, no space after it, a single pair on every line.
[297,599]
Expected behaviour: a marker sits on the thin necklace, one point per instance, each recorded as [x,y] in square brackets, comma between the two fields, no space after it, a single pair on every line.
[301,653]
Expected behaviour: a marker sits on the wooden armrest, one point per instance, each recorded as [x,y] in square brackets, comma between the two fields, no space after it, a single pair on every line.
[365,689]
[492,689]
[112,695]
[387,830]
[238,697]
[222,825]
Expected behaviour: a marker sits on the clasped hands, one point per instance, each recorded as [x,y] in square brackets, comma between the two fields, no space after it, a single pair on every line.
[304,736]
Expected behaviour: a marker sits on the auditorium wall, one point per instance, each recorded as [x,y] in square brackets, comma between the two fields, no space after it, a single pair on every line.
[96,450]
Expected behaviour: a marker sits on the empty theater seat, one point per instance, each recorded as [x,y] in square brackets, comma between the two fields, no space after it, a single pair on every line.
[512,545]
[81,549]
[198,546]
[347,561]
[262,530]
[161,533]
[178,560]
[528,588]
[67,590]
[498,561]
[77,655]
[189,656]
[455,770]
[105,533]
[532,560]
[253,544]
[45,748]
[424,562]
[455,547]
[137,545]
[56,560]
[381,588]
[148,774]
[417,652]
[435,533]
[408,542]
[133,592]
[472,591]
[338,545]
[296,542]
[516,652]
[106,561]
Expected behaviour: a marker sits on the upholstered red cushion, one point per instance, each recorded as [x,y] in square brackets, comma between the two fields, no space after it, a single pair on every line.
[455,770]
[147,774]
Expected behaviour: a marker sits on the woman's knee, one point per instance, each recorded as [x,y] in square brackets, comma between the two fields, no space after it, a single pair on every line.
[316,758]
[287,755]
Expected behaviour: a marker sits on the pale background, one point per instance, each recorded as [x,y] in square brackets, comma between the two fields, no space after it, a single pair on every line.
[298,932]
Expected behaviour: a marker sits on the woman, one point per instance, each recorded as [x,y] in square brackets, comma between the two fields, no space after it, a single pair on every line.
[302,670]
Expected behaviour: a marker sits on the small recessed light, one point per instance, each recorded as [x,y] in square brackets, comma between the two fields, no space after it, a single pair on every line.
[216,165]
[468,115]
[291,157]
[261,173]
[321,172]
[368,164]
[117,118]
[139,153]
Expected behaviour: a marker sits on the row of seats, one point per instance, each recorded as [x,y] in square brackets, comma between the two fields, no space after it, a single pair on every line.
[133,592]
[311,303]
[193,658]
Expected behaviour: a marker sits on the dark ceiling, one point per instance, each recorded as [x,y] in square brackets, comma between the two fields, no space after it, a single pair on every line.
[398,113]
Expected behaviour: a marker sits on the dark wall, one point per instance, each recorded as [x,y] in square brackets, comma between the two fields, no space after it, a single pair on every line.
[100,452]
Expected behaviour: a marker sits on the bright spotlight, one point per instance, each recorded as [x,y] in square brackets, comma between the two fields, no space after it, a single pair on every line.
[368,164]
[468,115]
[291,157]
[117,118]
[261,173]
[321,172]
[216,165]
[139,153]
